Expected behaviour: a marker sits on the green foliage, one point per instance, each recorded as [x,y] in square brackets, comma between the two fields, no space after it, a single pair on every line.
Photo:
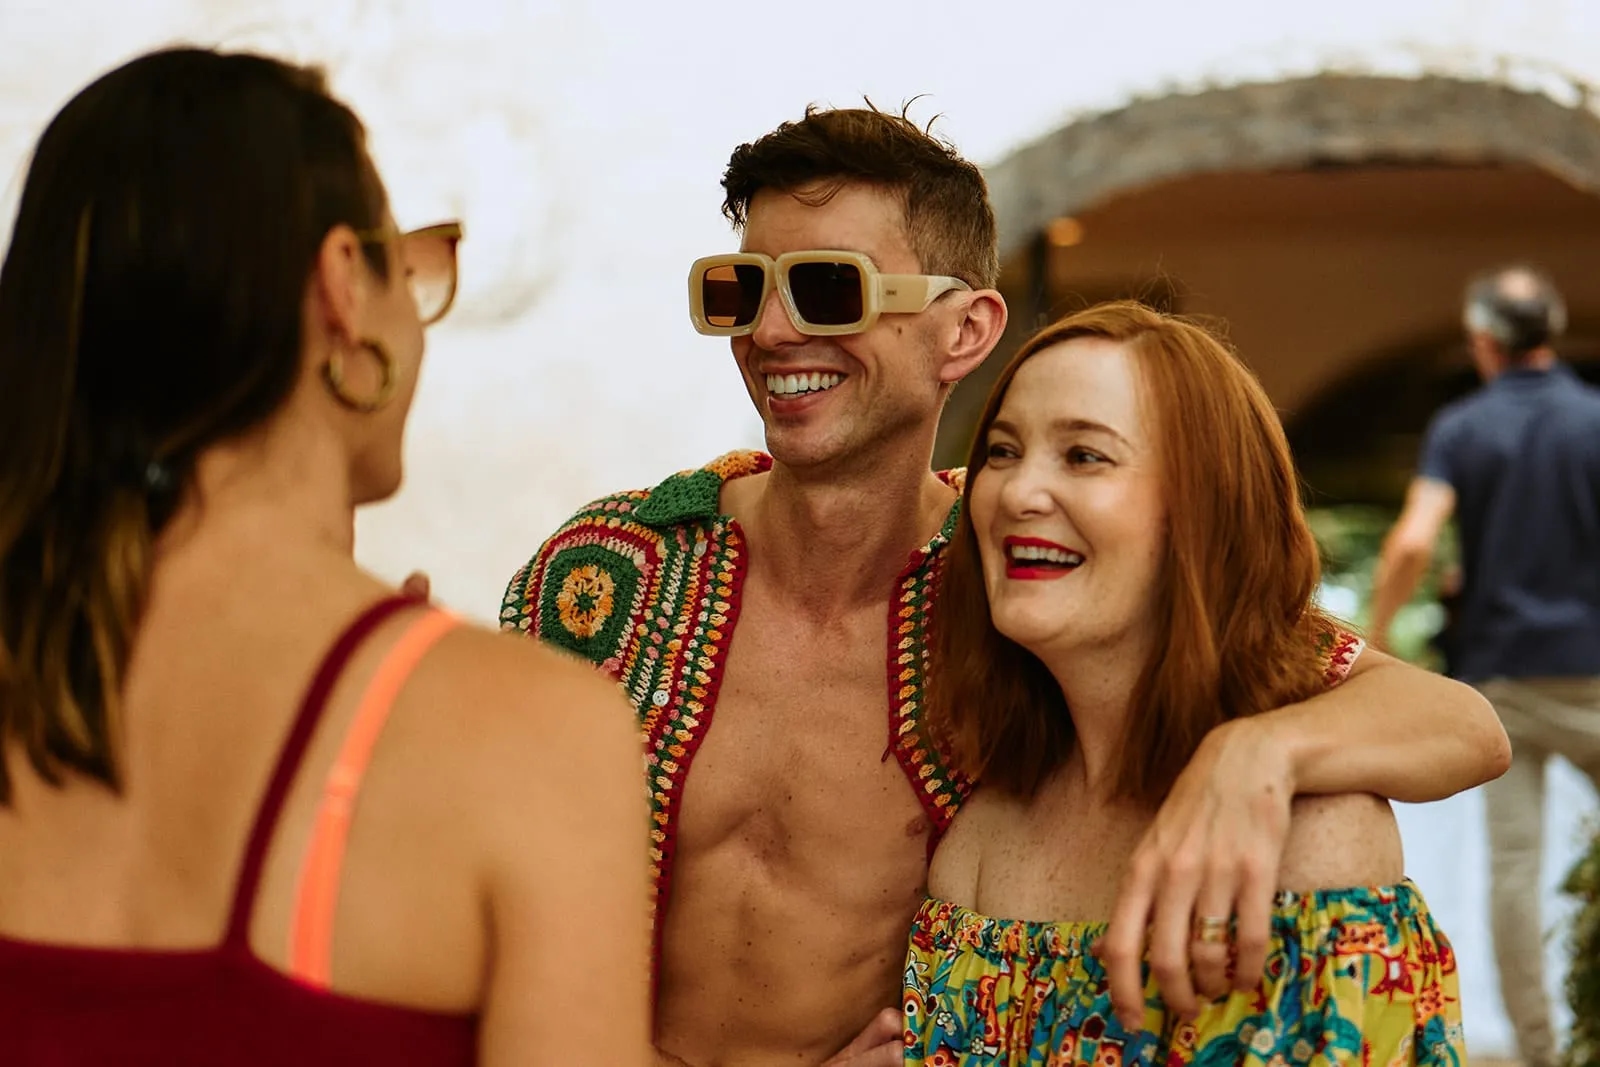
[1351,537]
[1583,980]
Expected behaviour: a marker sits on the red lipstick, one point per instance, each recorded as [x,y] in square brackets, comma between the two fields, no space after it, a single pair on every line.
[1044,560]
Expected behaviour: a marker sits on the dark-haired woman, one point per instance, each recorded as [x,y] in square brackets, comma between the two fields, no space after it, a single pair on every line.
[255,807]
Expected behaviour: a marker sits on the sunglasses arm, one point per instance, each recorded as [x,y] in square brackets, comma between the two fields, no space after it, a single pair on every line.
[910,293]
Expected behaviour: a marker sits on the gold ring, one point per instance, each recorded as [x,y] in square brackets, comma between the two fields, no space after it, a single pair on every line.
[1211,929]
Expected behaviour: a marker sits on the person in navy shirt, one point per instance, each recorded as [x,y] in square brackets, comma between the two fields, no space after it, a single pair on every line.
[1517,463]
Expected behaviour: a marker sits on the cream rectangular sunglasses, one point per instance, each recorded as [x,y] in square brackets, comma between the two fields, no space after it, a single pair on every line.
[826,292]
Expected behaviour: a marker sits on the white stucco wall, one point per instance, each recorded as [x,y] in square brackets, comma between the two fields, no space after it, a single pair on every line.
[583,143]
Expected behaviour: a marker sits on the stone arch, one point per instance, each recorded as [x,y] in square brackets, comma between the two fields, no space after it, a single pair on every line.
[1302,123]
[1484,150]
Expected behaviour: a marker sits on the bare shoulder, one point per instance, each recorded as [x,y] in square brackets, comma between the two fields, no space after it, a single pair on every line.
[1343,840]
[516,668]
[953,871]
[958,861]
[546,762]
[528,717]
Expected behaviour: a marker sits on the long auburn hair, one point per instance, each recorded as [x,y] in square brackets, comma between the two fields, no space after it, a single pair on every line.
[1239,631]
[150,306]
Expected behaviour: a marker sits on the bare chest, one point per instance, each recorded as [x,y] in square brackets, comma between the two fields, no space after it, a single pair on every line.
[797,759]
[801,849]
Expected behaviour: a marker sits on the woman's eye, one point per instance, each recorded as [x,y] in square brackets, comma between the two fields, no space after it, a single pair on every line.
[998,450]
[1085,456]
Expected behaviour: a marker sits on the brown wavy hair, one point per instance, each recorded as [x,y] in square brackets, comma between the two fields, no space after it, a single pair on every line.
[150,306]
[948,220]
[1241,634]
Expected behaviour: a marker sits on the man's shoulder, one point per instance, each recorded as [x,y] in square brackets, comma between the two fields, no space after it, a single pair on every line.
[685,498]
[1462,411]
[589,577]
[1564,402]
[1454,436]
[1585,396]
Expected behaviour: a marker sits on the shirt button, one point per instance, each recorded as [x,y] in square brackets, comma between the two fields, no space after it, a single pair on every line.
[660,698]
[699,548]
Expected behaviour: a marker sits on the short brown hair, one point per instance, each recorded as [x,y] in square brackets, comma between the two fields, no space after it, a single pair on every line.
[948,220]
[1238,630]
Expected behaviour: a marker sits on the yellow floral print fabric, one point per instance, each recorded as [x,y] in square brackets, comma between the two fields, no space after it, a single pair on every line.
[1357,976]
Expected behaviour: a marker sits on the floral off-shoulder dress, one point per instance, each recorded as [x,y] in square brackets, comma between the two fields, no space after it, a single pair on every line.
[1354,976]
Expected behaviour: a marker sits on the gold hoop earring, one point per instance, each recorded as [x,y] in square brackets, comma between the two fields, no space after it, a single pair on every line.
[333,374]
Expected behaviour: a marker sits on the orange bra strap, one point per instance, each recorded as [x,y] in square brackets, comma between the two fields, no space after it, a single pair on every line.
[317,894]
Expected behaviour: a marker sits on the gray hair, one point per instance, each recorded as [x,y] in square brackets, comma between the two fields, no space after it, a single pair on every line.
[1517,306]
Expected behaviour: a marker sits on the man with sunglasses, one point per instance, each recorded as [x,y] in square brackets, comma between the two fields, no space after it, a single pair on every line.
[788,867]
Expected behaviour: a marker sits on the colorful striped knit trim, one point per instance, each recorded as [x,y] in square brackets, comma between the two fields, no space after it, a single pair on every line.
[646,585]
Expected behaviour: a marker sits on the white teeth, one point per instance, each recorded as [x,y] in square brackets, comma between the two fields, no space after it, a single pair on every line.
[1024,553]
[799,384]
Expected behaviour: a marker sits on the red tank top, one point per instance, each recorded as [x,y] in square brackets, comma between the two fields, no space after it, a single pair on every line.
[66,1006]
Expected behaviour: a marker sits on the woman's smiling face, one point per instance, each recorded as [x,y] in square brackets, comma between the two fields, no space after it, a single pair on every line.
[1068,508]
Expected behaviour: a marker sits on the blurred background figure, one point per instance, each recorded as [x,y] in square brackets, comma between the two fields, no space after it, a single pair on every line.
[256,807]
[1517,463]
[1442,644]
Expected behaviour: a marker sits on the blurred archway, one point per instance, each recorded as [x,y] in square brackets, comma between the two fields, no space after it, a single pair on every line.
[1330,221]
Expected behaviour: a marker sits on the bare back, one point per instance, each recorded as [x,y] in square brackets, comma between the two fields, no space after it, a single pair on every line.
[443,904]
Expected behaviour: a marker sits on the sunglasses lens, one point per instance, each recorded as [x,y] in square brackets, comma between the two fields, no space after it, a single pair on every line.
[430,261]
[731,293]
[827,294]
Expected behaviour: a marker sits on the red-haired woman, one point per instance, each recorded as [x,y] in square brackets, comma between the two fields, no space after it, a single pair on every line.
[1133,570]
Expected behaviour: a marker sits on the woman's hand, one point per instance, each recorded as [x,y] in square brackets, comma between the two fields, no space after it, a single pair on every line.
[1214,850]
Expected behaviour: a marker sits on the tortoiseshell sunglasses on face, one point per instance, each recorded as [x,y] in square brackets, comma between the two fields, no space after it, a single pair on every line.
[429,258]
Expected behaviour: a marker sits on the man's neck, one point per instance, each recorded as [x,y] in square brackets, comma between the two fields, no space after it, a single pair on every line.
[1538,361]
[828,542]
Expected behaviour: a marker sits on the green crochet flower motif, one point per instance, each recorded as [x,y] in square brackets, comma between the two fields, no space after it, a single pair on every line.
[586,600]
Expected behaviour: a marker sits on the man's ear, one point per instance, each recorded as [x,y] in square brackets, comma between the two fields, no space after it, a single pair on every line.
[976,333]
